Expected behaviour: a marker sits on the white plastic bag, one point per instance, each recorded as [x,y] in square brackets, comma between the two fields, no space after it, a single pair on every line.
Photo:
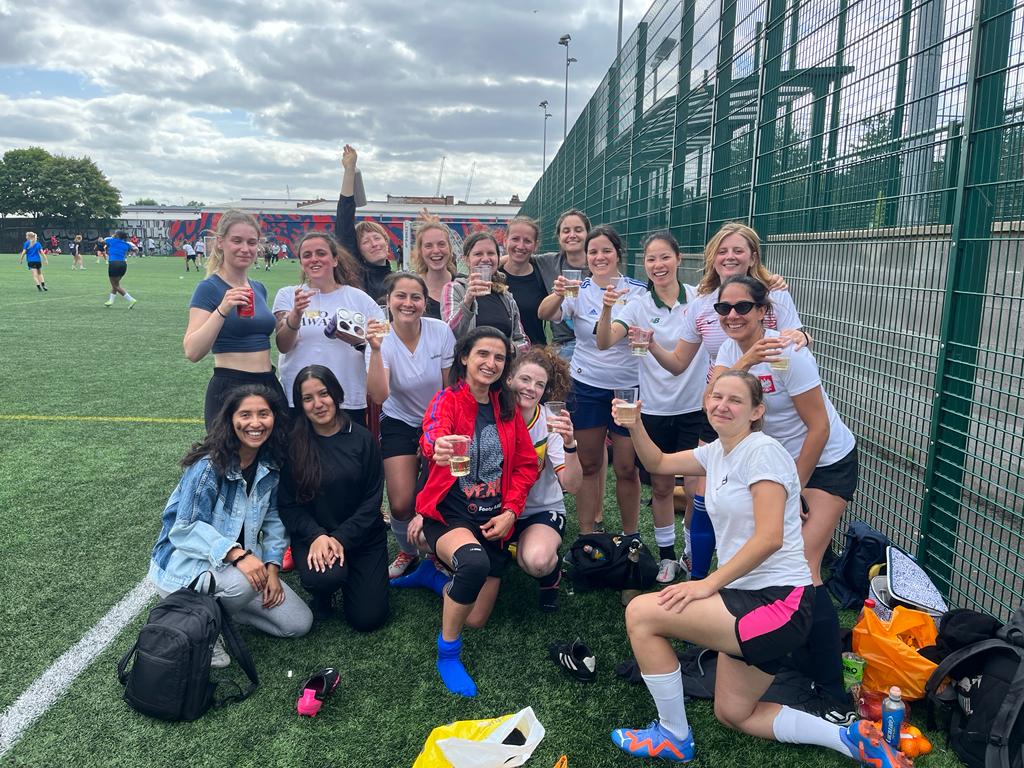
[490,752]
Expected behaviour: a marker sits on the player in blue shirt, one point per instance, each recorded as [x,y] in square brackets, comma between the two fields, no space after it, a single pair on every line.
[118,249]
[33,251]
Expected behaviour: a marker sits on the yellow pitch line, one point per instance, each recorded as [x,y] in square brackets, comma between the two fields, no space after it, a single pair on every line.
[117,419]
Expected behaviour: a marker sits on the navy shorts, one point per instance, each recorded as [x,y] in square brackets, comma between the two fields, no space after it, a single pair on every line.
[397,438]
[496,552]
[838,478]
[770,622]
[593,408]
[116,269]
[554,519]
[675,433]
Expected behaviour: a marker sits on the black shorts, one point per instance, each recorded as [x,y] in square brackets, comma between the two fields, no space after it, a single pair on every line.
[397,438]
[838,478]
[190,257]
[770,622]
[226,379]
[116,268]
[35,265]
[554,519]
[496,553]
[675,433]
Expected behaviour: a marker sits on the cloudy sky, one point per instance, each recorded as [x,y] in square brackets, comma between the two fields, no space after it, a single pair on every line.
[218,99]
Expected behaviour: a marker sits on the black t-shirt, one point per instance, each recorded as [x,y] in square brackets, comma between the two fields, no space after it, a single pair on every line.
[477,496]
[433,309]
[529,292]
[490,310]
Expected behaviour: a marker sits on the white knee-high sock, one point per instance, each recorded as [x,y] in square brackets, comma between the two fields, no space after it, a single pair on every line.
[792,726]
[667,692]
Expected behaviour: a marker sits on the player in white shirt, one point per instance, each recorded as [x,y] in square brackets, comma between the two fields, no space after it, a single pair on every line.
[405,369]
[671,409]
[331,282]
[596,374]
[754,609]
[802,418]
[540,376]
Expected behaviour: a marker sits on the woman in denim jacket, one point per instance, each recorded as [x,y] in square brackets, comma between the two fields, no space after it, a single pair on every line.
[222,517]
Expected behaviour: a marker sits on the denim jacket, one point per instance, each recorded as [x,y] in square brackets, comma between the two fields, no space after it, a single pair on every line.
[203,519]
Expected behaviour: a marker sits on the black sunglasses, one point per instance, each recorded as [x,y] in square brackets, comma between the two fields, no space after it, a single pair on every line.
[742,307]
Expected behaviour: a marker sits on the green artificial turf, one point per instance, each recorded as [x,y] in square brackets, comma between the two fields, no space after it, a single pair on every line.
[80,502]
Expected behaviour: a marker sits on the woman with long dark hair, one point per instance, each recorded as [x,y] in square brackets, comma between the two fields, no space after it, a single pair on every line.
[330,503]
[222,517]
[571,231]
[467,519]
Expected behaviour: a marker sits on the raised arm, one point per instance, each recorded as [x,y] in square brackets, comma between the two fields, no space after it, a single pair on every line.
[345,218]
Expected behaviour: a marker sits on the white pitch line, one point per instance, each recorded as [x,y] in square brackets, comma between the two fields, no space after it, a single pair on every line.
[49,686]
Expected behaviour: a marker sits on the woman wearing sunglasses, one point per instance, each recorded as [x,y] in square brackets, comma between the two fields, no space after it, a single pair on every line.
[801,417]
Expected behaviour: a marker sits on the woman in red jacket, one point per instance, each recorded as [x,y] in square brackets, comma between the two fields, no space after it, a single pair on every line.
[467,519]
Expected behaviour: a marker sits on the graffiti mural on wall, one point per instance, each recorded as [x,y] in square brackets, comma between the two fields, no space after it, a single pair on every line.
[289,227]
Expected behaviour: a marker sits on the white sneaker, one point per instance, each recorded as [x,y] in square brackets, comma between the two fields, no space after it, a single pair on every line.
[219,658]
[668,571]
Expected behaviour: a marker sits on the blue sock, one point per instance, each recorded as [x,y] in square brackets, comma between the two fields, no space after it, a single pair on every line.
[455,677]
[426,576]
[702,539]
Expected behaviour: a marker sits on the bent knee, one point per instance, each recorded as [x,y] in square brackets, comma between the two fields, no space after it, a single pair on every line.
[538,562]
[732,714]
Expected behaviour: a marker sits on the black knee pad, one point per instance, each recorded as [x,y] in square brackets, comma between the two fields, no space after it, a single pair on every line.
[472,566]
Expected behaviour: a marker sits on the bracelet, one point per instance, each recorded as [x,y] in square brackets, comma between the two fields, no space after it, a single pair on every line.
[240,558]
[220,313]
[289,324]
[570,450]
[807,339]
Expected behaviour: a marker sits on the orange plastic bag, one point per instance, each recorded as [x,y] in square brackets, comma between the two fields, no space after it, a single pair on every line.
[890,650]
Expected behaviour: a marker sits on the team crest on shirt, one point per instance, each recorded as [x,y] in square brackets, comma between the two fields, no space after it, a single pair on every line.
[767,383]
[541,447]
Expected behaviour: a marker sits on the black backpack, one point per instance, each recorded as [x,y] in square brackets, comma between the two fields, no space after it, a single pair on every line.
[602,561]
[170,679]
[865,547]
[986,693]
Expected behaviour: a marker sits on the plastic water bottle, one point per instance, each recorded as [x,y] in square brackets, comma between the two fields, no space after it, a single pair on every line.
[592,552]
[892,717]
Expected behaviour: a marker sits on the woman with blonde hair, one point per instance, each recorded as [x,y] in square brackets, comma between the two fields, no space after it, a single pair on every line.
[33,250]
[229,316]
[433,259]
[76,254]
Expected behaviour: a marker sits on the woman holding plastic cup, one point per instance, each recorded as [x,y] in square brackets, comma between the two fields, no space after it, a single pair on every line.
[467,520]
[480,300]
[801,417]
[229,316]
[569,261]
[671,408]
[331,282]
[596,373]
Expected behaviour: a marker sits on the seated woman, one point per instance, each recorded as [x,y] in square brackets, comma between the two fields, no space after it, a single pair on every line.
[539,376]
[754,609]
[222,517]
[466,519]
[330,503]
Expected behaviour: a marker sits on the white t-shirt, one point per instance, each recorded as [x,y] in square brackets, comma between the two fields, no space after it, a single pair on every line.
[704,324]
[612,368]
[546,494]
[188,249]
[415,377]
[661,392]
[731,507]
[312,347]
[781,419]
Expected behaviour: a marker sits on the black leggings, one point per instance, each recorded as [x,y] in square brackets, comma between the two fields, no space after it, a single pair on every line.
[363,581]
[226,379]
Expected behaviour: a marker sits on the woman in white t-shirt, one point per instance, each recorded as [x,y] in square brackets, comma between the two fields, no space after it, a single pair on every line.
[754,609]
[596,374]
[802,418]
[671,409]
[540,376]
[404,371]
[331,282]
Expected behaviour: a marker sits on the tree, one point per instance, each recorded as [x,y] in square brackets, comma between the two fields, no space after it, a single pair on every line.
[145,201]
[76,190]
[21,179]
[195,204]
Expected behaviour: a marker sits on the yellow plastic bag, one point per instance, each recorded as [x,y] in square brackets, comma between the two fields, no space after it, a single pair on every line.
[477,743]
[890,649]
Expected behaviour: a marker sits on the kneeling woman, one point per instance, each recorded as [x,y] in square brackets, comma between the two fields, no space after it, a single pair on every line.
[330,504]
[754,609]
[466,519]
[541,376]
[223,518]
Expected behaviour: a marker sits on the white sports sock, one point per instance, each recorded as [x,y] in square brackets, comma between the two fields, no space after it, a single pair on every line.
[401,530]
[792,726]
[128,297]
[687,551]
[667,692]
[113,296]
[665,537]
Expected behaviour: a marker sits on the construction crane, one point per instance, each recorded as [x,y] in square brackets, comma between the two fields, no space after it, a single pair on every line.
[440,176]
[469,184]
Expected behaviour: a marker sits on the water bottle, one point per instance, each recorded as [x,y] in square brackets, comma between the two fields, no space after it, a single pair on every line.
[869,605]
[892,717]
[592,552]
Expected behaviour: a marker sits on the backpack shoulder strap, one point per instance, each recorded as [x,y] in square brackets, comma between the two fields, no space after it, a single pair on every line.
[948,664]
[122,665]
[240,653]
[997,755]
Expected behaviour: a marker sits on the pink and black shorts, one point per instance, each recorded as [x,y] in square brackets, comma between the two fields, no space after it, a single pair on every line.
[770,622]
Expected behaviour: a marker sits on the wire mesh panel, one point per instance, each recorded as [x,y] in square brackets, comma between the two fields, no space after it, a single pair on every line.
[878,148]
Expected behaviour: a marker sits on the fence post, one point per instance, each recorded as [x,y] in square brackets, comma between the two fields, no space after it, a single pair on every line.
[680,125]
[966,275]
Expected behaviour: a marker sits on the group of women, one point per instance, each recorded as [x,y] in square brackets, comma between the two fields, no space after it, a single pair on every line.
[476,446]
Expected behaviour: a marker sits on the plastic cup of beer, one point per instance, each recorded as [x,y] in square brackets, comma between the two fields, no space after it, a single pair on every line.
[627,408]
[782,364]
[485,271]
[458,465]
[313,310]
[386,320]
[622,286]
[553,408]
[574,276]
[640,340]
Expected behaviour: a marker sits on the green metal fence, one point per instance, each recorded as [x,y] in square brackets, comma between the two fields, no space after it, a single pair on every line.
[837,128]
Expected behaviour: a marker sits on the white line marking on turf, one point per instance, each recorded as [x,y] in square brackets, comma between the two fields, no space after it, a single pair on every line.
[49,686]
